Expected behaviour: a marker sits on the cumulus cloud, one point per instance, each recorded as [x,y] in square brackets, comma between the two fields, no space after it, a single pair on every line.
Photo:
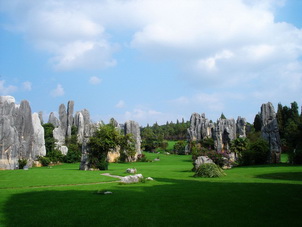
[95,80]
[225,44]
[27,86]
[58,91]
[120,104]
[7,90]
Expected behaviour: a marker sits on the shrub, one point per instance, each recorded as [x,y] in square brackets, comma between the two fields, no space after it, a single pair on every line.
[219,158]
[55,156]
[257,153]
[180,147]
[295,157]
[142,158]
[209,170]
[22,163]
[73,154]
[45,161]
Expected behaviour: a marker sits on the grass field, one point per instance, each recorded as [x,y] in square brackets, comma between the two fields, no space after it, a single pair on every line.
[64,196]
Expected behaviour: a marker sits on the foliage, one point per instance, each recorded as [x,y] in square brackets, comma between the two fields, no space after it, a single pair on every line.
[74,154]
[142,158]
[295,157]
[290,127]
[209,170]
[208,143]
[127,148]
[257,153]
[239,145]
[180,147]
[55,156]
[45,161]
[219,158]
[153,136]
[257,123]
[222,116]
[48,137]
[22,163]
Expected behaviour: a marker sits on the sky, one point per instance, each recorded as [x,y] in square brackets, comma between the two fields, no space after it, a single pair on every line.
[152,60]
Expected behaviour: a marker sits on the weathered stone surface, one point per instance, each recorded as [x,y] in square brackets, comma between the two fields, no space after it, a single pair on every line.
[224,133]
[63,118]
[200,127]
[270,131]
[131,170]
[53,120]
[21,133]
[241,127]
[132,178]
[132,127]
[112,156]
[70,107]
[41,117]
[202,160]
[38,138]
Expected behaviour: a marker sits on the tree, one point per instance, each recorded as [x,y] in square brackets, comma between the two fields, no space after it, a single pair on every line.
[257,123]
[48,137]
[106,138]
[239,145]
[222,116]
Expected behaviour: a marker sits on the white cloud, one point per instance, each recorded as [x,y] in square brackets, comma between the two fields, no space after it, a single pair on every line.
[95,80]
[27,86]
[7,90]
[120,104]
[58,91]
[224,44]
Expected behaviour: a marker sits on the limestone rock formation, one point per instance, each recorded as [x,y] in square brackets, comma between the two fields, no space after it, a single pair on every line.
[53,120]
[132,127]
[200,127]
[241,127]
[224,133]
[21,133]
[41,117]
[70,107]
[270,131]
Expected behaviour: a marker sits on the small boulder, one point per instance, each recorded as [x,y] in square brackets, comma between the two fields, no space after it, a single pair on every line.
[201,160]
[132,178]
[131,170]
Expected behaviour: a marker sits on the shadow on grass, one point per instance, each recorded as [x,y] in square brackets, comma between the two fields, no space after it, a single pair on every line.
[164,202]
[292,176]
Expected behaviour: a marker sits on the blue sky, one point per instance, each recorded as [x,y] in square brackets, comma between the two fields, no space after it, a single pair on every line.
[151,60]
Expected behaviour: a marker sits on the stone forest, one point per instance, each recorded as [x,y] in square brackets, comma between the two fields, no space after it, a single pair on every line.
[71,171]
[23,138]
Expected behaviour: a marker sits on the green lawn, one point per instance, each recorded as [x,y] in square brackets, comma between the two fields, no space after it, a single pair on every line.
[248,196]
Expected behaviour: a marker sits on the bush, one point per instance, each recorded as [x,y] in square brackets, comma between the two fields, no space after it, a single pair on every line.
[22,163]
[257,153]
[295,157]
[142,158]
[180,147]
[45,161]
[73,154]
[55,156]
[209,170]
[219,158]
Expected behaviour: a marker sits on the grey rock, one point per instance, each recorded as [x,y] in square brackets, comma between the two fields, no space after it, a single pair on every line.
[270,131]
[224,133]
[132,127]
[21,133]
[200,127]
[63,118]
[41,117]
[53,120]
[70,107]
[241,127]
[131,170]
[132,178]
[201,160]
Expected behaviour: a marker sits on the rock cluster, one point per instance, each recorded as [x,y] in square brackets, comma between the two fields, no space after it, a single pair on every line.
[270,131]
[21,133]
[132,127]
[222,132]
